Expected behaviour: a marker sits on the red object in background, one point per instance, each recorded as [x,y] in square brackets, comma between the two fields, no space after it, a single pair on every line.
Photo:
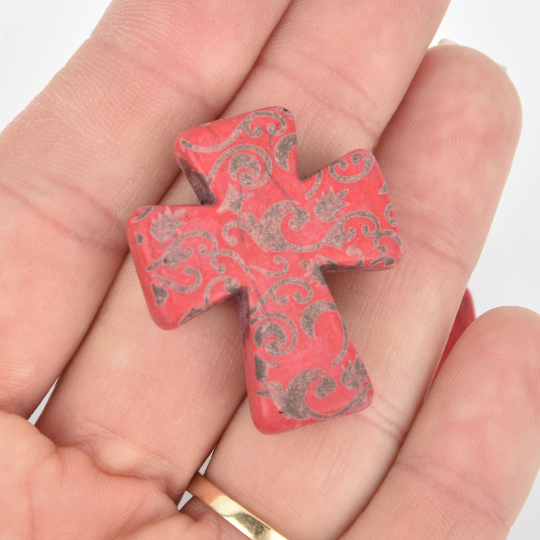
[265,236]
[465,316]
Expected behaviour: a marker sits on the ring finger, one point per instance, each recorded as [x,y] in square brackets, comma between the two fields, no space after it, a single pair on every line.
[445,155]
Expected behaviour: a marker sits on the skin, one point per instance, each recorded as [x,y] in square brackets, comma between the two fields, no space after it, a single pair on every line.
[137,410]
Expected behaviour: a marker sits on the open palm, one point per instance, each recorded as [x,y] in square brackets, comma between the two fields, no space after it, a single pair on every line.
[137,410]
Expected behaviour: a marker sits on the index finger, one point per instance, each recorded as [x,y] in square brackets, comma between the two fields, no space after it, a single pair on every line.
[94,145]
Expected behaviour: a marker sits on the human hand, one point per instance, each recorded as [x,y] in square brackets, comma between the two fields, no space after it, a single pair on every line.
[138,410]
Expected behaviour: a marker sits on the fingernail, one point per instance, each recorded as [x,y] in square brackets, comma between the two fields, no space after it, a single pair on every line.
[445,41]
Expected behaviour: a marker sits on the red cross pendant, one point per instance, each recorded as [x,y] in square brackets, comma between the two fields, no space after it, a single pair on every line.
[266,237]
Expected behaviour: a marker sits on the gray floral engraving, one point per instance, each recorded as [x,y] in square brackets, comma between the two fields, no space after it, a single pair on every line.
[245,125]
[283,150]
[292,401]
[316,185]
[341,165]
[274,273]
[329,206]
[251,174]
[314,272]
[175,253]
[354,375]
[281,300]
[233,201]
[261,368]
[274,329]
[184,289]
[166,225]
[312,313]
[144,213]
[220,268]
[391,220]
[160,294]
[230,284]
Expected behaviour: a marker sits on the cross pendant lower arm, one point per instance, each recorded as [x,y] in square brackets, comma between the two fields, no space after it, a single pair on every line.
[266,237]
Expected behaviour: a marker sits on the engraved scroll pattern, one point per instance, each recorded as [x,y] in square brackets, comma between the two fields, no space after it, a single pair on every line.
[267,239]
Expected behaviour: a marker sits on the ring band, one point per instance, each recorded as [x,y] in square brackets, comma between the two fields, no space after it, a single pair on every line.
[234,513]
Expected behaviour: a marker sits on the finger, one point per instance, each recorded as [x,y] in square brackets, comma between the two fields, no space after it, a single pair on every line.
[181,527]
[445,156]
[342,68]
[107,401]
[51,492]
[94,145]
[471,457]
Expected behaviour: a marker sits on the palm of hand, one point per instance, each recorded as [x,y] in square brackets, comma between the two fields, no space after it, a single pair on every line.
[138,410]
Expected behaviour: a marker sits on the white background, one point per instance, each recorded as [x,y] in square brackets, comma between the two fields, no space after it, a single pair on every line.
[37,37]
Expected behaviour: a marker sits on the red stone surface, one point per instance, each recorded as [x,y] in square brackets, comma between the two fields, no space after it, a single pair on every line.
[264,236]
[465,316]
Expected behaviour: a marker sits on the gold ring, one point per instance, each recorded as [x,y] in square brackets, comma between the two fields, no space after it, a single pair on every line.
[234,513]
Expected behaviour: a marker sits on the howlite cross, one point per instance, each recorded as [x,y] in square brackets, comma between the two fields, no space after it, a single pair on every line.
[266,237]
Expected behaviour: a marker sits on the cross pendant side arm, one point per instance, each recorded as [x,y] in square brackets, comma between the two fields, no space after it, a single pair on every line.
[265,236]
